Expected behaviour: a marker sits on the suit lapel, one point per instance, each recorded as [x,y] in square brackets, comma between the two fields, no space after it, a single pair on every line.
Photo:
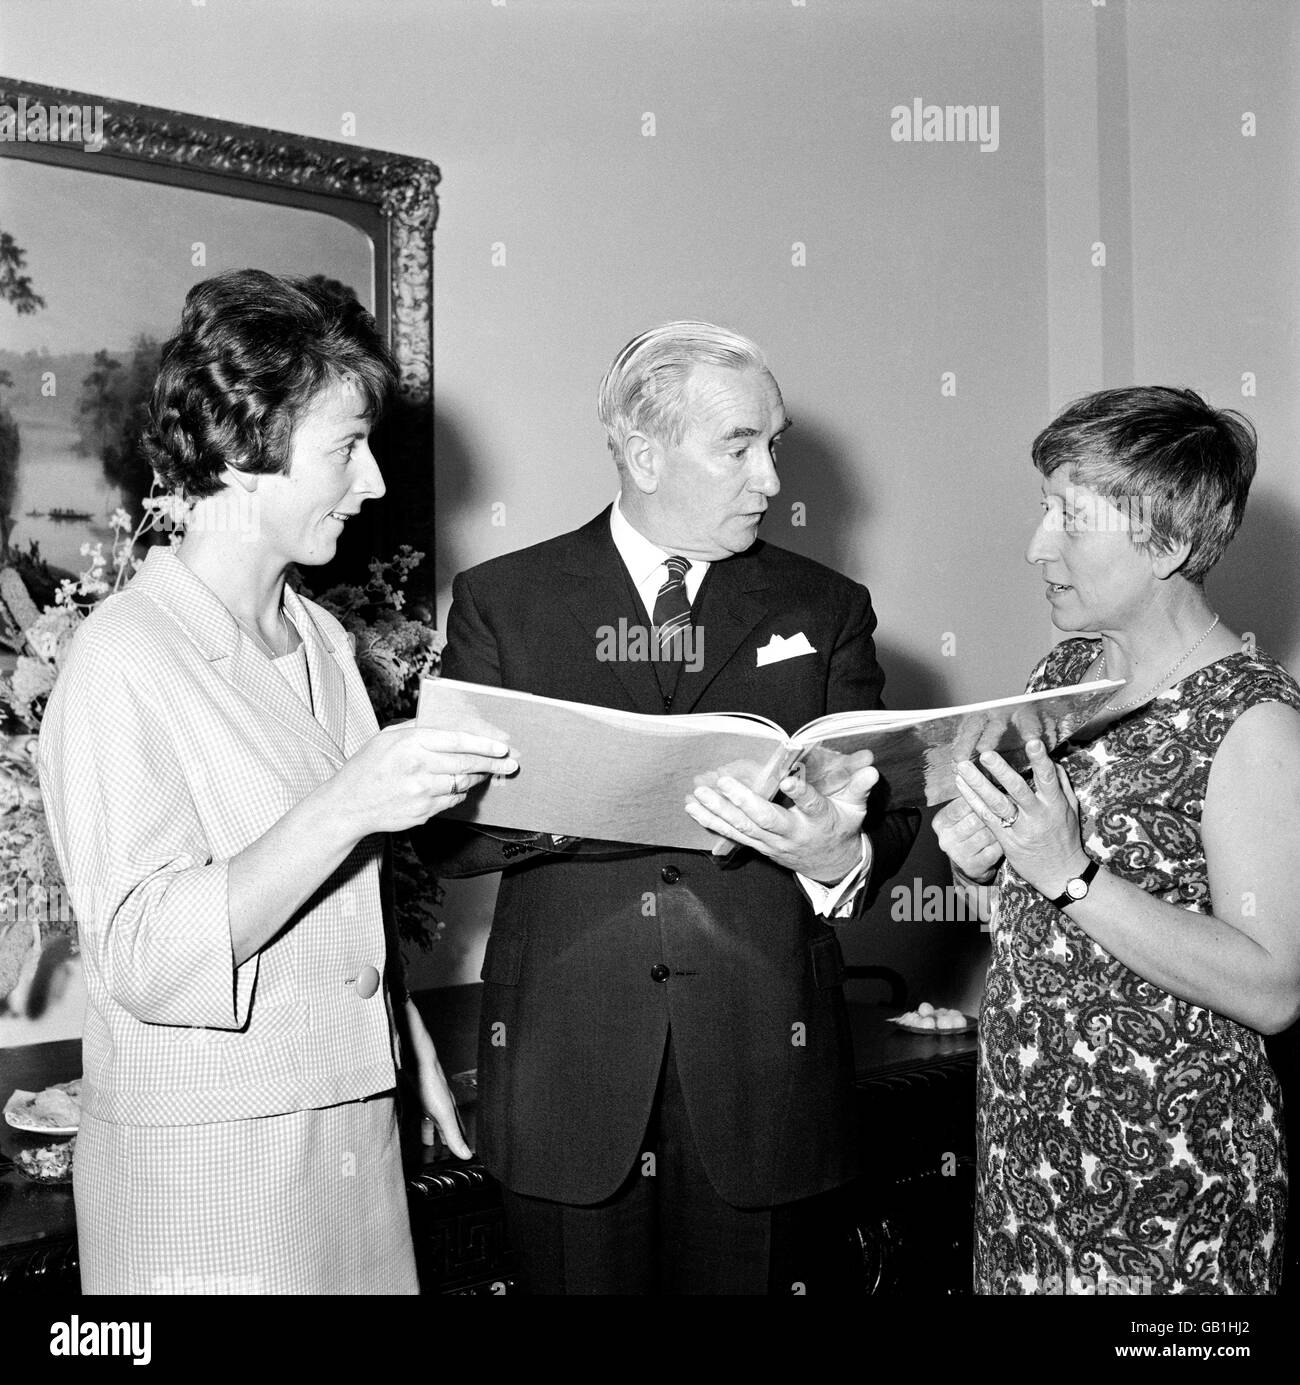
[249,670]
[593,585]
[205,620]
[727,607]
[328,686]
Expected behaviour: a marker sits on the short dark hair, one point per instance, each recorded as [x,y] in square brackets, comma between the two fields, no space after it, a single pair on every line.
[1191,465]
[253,350]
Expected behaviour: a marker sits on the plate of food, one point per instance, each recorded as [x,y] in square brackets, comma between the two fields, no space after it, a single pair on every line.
[47,1163]
[935,1019]
[54,1111]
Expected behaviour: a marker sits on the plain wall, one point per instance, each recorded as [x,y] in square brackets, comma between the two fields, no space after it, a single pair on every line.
[1216,261]
[771,129]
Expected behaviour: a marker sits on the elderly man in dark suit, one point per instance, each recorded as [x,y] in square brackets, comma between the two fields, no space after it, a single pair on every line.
[665,1060]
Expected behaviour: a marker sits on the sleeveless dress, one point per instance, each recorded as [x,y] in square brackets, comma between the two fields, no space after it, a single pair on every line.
[1128,1142]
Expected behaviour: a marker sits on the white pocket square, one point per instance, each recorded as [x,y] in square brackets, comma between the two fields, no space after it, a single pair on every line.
[778,648]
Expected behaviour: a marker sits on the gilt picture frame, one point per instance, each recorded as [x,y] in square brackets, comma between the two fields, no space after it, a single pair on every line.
[317,187]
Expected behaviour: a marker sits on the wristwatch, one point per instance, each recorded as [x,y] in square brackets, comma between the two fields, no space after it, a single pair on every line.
[1077,888]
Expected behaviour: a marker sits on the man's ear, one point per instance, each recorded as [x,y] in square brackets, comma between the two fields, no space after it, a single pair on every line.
[642,460]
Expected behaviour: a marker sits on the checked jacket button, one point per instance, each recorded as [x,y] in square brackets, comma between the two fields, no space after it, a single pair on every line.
[671,875]
[659,972]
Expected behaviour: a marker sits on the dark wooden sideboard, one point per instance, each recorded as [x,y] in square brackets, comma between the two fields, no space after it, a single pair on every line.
[903,1227]
[38,1227]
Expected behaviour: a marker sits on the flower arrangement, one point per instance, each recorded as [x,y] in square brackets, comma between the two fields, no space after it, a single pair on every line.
[393,653]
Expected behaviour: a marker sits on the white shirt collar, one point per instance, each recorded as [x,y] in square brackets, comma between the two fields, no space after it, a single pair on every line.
[645,560]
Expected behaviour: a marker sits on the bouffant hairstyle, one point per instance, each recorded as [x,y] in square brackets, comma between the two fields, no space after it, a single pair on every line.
[1188,464]
[252,352]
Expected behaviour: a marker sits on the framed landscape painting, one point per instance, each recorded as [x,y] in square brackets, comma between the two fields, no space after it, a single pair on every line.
[105,232]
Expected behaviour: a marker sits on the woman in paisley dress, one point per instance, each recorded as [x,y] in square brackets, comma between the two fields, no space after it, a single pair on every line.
[1146,933]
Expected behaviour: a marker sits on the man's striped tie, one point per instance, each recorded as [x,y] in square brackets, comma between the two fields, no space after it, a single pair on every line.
[672,612]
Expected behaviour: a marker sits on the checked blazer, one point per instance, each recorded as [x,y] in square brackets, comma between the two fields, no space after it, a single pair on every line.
[169,744]
[596,951]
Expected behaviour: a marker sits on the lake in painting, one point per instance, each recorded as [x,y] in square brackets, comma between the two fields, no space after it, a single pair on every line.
[113,258]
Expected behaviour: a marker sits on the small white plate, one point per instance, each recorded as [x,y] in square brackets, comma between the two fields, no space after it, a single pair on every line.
[912,1027]
[18,1114]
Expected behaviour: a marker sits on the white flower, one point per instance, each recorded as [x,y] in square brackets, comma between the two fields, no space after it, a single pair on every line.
[52,632]
[167,509]
[32,679]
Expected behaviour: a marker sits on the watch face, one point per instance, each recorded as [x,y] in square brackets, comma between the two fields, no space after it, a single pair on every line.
[1076,888]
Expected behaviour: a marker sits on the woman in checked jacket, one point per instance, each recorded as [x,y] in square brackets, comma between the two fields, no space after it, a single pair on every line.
[218,794]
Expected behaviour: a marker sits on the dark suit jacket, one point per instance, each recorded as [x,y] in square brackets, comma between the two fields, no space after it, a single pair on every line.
[574,1019]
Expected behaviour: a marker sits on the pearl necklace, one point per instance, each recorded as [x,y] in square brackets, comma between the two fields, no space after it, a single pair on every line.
[1156,686]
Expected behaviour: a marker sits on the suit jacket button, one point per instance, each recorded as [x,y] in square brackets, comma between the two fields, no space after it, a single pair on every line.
[659,972]
[671,875]
[367,982]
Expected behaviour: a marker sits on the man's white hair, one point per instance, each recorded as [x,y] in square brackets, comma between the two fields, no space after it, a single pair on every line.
[644,390]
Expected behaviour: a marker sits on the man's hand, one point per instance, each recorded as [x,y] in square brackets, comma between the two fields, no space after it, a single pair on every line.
[817,836]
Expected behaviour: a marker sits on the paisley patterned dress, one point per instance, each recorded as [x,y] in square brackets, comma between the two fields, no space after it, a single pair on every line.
[1128,1142]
